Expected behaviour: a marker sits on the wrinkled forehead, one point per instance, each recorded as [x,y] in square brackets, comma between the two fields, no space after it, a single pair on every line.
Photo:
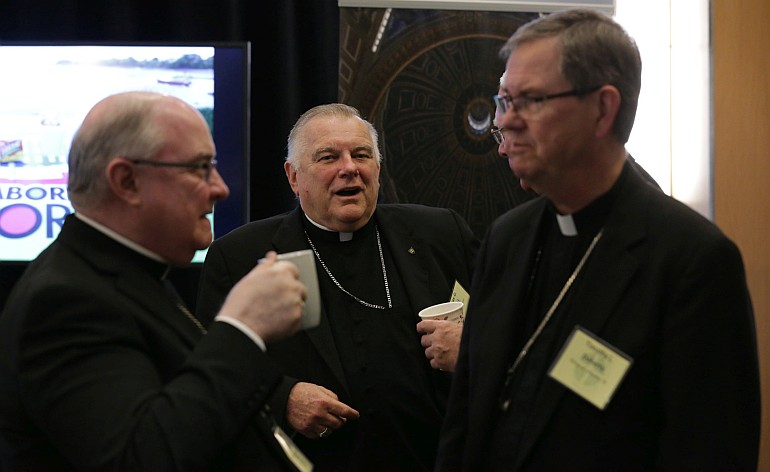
[533,65]
[336,133]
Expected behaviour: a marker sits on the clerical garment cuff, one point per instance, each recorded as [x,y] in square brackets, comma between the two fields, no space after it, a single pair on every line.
[243,328]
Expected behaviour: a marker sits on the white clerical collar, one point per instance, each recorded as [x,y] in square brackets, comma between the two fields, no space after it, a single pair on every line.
[566,225]
[343,235]
[119,238]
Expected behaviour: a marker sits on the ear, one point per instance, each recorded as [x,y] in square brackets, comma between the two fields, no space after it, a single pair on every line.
[291,175]
[609,104]
[121,179]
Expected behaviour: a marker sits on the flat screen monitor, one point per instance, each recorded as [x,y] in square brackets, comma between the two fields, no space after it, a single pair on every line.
[47,89]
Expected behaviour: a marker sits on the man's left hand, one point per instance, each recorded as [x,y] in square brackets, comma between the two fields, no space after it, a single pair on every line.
[441,340]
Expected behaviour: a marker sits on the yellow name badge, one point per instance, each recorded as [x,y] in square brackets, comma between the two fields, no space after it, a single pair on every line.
[459,294]
[590,367]
[300,461]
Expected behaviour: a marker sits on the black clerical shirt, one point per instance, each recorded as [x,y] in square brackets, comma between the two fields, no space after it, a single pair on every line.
[388,376]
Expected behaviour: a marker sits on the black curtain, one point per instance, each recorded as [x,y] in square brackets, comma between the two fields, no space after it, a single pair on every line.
[294,61]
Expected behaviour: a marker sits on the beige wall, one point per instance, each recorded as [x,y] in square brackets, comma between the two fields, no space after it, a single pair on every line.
[741,61]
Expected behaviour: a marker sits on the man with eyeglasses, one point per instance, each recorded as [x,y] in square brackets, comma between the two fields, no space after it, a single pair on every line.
[610,326]
[101,365]
[527,104]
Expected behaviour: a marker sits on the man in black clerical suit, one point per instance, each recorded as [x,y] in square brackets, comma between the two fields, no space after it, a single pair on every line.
[101,367]
[610,327]
[359,390]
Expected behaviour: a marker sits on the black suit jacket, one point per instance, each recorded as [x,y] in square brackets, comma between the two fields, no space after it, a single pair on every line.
[432,248]
[100,370]
[664,286]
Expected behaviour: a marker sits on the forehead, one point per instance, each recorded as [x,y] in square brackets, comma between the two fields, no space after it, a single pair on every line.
[337,133]
[534,65]
[187,133]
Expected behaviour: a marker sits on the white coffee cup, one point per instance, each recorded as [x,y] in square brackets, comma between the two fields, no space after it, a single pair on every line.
[450,311]
[305,261]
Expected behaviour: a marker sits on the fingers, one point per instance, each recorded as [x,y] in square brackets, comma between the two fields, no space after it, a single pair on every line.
[269,299]
[441,344]
[432,330]
[345,413]
[427,326]
[446,361]
[312,410]
[336,420]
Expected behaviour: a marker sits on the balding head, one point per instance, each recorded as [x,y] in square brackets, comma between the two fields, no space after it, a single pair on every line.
[137,166]
[122,125]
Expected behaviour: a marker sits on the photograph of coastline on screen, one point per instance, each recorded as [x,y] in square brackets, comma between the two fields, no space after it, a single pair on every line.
[44,96]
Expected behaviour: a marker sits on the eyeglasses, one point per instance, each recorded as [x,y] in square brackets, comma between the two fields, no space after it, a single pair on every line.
[206,167]
[527,106]
[497,133]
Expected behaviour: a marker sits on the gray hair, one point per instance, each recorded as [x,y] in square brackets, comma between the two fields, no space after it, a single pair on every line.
[296,142]
[595,51]
[125,131]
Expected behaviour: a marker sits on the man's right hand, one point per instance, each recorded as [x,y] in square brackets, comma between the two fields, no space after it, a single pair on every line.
[269,299]
[312,410]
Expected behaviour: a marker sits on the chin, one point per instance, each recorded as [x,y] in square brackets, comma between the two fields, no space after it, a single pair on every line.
[203,240]
[519,167]
[350,215]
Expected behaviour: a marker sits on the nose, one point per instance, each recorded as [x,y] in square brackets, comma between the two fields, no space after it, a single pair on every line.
[501,150]
[511,124]
[219,189]
[511,119]
[348,165]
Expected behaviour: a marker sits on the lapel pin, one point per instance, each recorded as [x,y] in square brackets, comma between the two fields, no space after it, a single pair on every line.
[411,250]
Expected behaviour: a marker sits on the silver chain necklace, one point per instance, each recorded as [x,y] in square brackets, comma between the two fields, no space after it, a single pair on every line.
[505,403]
[384,274]
[180,304]
[191,317]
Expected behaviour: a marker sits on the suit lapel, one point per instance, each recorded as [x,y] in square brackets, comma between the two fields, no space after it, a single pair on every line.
[131,275]
[492,341]
[153,297]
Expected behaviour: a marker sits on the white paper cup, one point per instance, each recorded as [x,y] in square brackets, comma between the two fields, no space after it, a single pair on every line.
[450,311]
[305,261]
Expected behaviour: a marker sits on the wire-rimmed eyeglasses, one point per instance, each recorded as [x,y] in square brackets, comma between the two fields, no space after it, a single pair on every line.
[206,167]
[497,133]
[527,106]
